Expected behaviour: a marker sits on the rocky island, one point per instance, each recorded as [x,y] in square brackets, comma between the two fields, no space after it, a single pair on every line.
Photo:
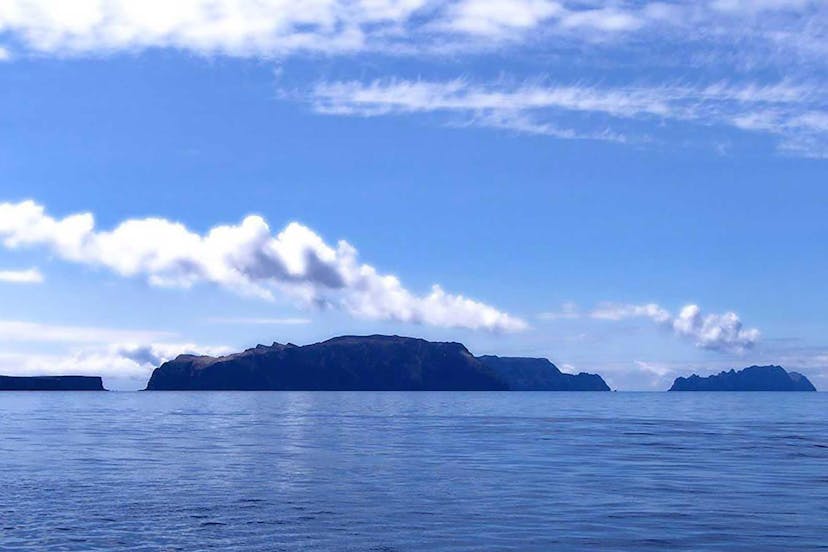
[365,363]
[754,378]
[51,383]
[538,374]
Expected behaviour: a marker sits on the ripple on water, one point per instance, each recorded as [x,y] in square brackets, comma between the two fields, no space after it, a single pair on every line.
[413,471]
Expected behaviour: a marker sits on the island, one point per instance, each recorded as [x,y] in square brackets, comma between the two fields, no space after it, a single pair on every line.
[363,363]
[51,383]
[753,378]
[539,374]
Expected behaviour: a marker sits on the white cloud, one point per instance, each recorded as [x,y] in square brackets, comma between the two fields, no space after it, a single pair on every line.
[261,321]
[714,331]
[35,332]
[757,6]
[381,97]
[121,365]
[621,312]
[718,332]
[796,114]
[282,27]
[604,19]
[155,354]
[234,27]
[496,18]
[733,37]
[5,55]
[30,276]
[245,258]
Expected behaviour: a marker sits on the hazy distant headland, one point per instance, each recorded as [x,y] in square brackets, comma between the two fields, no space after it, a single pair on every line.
[753,378]
[367,363]
[51,383]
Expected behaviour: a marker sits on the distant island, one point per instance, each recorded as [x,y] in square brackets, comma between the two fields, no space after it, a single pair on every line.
[366,363]
[754,378]
[390,363]
[538,374]
[51,383]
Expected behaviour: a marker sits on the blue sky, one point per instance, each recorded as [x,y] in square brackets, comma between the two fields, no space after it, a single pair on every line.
[630,188]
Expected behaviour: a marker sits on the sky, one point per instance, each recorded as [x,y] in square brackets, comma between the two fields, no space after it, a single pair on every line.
[632,188]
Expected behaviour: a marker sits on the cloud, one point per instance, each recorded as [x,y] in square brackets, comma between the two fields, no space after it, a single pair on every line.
[232,27]
[717,332]
[122,365]
[604,19]
[282,27]
[269,28]
[5,55]
[155,354]
[30,276]
[795,114]
[497,18]
[261,321]
[247,259]
[621,312]
[396,96]
[35,332]
[746,40]
[714,331]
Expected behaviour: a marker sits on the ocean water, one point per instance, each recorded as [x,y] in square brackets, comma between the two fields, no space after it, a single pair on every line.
[413,471]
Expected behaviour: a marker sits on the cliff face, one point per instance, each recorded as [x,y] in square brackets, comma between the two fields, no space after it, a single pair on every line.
[51,383]
[538,374]
[754,378]
[372,363]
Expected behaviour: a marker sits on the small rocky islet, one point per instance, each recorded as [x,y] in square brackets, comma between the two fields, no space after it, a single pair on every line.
[752,378]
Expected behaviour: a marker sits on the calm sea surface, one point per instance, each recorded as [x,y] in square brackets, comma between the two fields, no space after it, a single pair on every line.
[414,471]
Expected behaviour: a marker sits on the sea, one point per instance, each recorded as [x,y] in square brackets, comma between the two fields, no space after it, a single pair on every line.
[419,471]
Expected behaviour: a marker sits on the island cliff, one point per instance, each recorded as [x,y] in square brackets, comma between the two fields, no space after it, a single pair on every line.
[51,383]
[754,378]
[349,363]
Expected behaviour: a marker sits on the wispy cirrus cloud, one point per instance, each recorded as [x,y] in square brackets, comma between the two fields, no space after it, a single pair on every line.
[259,321]
[28,276]
[795,114]
[37,332]
[246,258]
[670,42]
[490,18]
[284,27]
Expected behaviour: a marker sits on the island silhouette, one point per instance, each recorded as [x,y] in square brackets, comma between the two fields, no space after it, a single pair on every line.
[753,378]
[51,383]
[367,363]
[390,363]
